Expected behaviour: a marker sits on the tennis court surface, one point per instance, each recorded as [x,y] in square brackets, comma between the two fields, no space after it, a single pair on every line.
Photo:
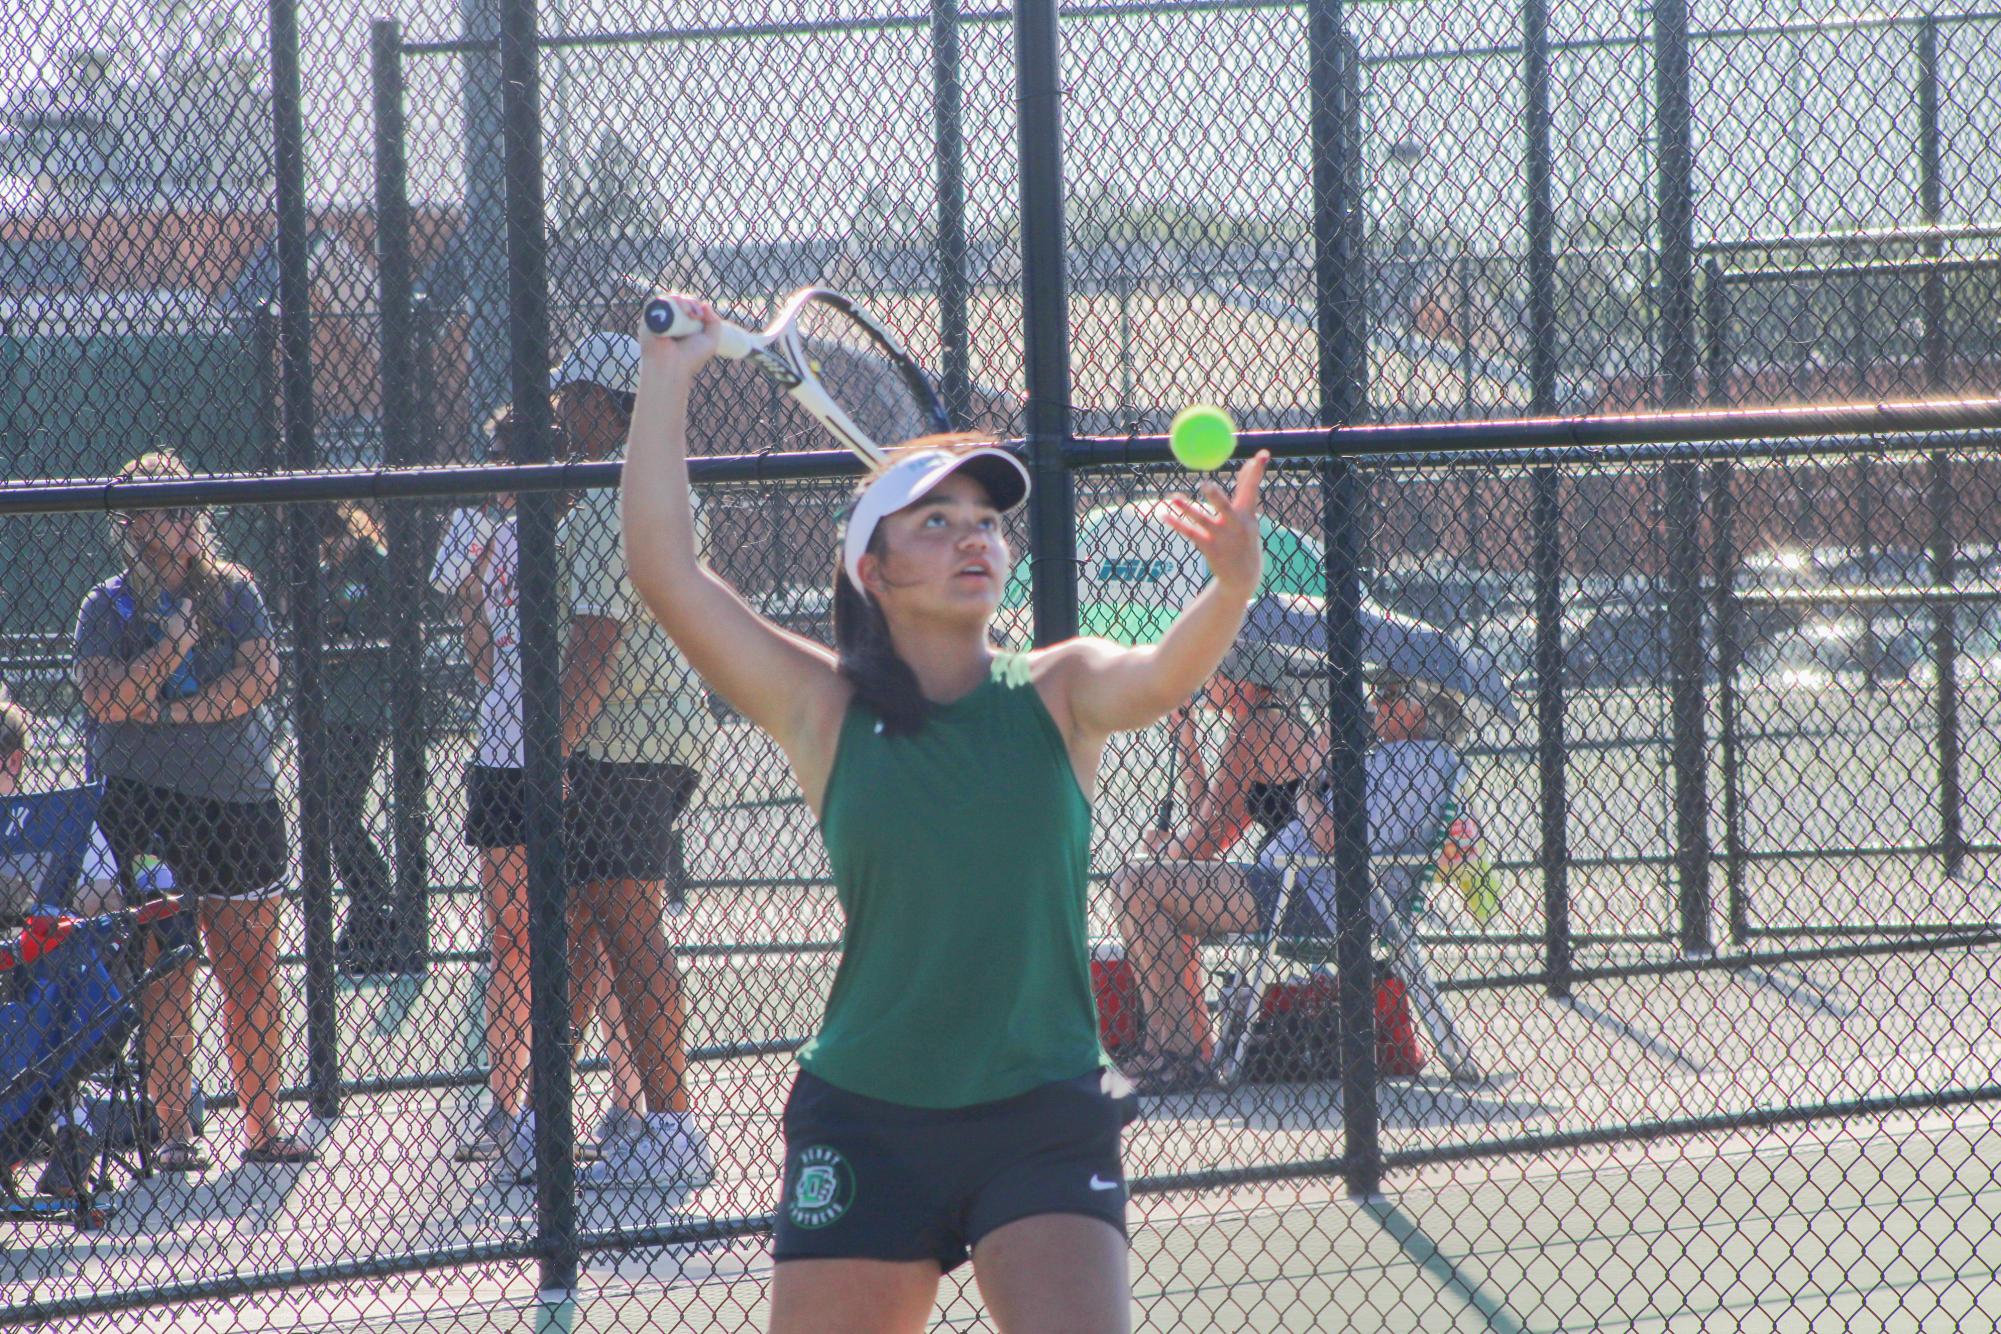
[1870,1222]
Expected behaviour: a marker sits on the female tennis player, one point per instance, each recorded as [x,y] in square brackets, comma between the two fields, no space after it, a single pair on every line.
[955,1099]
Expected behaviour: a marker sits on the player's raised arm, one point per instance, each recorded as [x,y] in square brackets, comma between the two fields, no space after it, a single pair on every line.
[774,678]
[1114,689]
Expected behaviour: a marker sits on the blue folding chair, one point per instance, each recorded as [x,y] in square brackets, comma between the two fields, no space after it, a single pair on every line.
[67,1008]
[43,838]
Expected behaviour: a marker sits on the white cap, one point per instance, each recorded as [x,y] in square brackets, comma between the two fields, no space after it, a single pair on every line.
[607,359]
[908,479]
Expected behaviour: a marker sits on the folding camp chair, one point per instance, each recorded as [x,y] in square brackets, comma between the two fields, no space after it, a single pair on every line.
[67,1010]
[1397,878]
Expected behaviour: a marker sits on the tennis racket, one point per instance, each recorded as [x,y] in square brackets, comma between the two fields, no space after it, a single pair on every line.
[833,359]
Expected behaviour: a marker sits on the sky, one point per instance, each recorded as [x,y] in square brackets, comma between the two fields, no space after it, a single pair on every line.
[782,137]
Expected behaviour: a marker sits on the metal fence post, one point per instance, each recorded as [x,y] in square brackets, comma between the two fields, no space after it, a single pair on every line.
[948,108]
[295,344]
[425,423]
[1338,311]
[1045,317]
[1865,467]
[541,685]
[1937,351]
[1716,363]
[1675,208]
[1930,198]
[484,243]
[269,523]
[408,763]
[1546,508]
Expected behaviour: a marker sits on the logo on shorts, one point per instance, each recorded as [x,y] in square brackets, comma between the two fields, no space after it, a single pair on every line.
[823,1188]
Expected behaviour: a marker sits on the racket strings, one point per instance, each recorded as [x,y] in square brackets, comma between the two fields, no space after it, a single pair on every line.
[872,380]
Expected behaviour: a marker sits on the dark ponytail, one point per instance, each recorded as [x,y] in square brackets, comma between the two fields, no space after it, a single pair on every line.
[868,659]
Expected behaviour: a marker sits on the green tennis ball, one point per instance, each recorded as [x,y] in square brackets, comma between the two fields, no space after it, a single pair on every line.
[1202,437]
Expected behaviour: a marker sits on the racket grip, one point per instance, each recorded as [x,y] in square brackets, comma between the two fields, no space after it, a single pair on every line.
[668,319]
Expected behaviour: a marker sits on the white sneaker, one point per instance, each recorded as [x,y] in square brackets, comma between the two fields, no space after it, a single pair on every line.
[591,1169]
[666,1149]
[484,1141]
[517,1150]
[610,1126]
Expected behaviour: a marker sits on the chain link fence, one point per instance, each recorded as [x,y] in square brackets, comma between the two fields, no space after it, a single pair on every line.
[1658,675]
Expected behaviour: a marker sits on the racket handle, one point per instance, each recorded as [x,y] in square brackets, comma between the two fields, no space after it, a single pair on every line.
[1163,814]
[669,319]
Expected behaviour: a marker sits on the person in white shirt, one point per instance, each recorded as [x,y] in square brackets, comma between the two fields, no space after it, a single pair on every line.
[477,567]
[636,732]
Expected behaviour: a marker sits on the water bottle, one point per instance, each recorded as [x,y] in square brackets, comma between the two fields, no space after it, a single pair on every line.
[152,879]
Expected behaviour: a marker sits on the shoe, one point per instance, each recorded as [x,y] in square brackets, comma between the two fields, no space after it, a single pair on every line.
[609,1127]
[72,1155]
[482,1144]
[281,1149]
[181,1155]
[112,1116]
[1168,1072]
[665,1149]
[517,1149]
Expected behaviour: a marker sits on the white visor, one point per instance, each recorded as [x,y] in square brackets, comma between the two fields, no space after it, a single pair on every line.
[610,360]
[913,476]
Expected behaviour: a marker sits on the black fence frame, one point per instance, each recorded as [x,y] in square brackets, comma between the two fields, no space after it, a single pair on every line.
[1680,440]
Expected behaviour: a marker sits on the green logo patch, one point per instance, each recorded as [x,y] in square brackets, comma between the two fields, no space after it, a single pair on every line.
[823,1187]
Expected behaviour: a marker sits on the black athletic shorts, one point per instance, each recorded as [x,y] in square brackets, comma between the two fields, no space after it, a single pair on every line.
[496,807]
[618,822]
[216,849]
[871,1180]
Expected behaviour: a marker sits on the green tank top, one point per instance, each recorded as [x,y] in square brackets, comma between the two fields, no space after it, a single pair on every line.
[961,856]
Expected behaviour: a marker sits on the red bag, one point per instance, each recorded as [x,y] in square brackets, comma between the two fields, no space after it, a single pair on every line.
[1116,986]
[1298,1033]
[1397,1052]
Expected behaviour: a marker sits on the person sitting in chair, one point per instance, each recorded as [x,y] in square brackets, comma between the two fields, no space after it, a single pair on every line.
[1268,750]
[1168,907]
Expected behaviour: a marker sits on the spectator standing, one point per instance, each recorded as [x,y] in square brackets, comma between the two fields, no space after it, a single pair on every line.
[478,566]
[355,688]
[175,662]
[636,731]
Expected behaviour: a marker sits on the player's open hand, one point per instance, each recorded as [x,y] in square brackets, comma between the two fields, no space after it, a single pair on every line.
[1223,525]
[687,354]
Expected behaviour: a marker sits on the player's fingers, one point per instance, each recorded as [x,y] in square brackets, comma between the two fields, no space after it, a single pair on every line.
[1250,479]
[1201,537]
[1189,512]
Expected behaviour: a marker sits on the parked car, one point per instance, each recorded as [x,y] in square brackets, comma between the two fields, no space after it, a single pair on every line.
[1628,646]
[1885,648]
[1448,593]
[1510,639]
